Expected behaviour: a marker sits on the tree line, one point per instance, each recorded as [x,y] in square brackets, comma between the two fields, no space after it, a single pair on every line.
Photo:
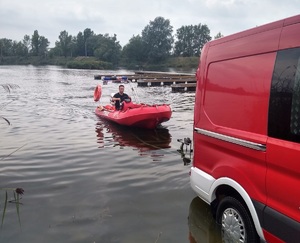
[155,43]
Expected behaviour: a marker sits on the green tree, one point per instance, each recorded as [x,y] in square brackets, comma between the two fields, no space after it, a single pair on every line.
[6,47]
[43,46]
[87,34]
[12,48]
[26,43]
[82,43]
[19,49]
[39,44]
[73,46]
[191,39]
[218,35]
[80,47]
[64,43]
[158,39]
[106,48]
[55,51]
[35,43]
[134,51]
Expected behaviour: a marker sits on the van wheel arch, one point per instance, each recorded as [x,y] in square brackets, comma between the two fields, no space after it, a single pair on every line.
[222,192]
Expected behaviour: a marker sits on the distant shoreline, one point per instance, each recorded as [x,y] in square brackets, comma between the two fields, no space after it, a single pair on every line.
[93,63]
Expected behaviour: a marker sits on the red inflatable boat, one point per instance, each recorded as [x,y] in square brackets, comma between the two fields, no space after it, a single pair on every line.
[136,115]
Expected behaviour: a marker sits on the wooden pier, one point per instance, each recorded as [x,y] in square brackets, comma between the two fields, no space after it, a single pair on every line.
[184,87]
[179,82]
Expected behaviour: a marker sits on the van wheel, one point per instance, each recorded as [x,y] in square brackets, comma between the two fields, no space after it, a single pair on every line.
[236,223]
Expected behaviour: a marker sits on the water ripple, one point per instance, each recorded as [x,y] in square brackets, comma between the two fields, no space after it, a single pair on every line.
[87,180]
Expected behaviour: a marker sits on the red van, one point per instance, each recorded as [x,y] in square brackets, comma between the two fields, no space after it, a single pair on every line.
[246,160]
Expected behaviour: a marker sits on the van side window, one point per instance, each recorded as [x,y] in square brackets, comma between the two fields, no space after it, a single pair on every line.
[284,108]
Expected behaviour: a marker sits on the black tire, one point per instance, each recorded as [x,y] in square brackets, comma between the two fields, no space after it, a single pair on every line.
[236,223]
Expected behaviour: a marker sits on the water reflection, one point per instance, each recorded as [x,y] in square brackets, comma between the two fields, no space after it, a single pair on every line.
[202,226]
[145,141]
[185,150]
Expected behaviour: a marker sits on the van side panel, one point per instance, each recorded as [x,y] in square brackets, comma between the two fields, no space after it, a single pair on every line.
[221,159]
[284,177]
[200,82]
[239,88]
[260,42]
[234,91]
[282,215]
[290,36]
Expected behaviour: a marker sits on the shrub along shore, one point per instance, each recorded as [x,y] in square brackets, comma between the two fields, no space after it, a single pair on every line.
[94,63]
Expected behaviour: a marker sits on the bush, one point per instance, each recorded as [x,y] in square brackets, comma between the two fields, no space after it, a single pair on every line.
[183,62]
[88,63]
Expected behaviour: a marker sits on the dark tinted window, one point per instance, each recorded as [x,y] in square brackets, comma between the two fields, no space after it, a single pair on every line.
[284,110]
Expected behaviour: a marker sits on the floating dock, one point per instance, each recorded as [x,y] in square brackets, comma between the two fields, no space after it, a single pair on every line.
[180,82]
[184,87]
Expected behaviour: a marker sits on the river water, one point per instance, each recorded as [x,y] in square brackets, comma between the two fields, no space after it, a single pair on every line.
[87,180]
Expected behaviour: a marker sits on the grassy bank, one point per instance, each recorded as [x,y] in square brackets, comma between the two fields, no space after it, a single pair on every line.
[68,62]
[172,62]
[88,63]
[94,63]
[183,62]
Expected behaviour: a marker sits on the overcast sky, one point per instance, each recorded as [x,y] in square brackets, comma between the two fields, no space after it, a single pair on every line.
[126,18]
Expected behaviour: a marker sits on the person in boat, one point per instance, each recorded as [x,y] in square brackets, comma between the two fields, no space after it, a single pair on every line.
[120,97]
